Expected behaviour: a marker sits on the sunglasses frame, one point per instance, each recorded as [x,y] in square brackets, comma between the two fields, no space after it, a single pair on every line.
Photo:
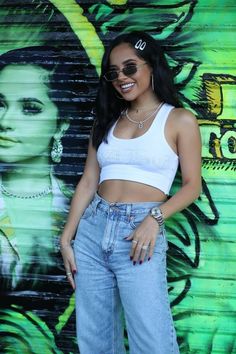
[123,71]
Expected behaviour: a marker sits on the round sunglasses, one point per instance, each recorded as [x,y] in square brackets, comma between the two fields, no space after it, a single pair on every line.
[128,70]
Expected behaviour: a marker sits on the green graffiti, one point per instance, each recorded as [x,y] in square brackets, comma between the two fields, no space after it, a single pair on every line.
[83,29]
[37,306]
[24,332]
[117,2]
[62,320]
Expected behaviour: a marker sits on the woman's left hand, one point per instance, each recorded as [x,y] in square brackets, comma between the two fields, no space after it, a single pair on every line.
[143,240]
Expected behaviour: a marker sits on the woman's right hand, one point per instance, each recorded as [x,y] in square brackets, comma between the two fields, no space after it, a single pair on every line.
[69,263]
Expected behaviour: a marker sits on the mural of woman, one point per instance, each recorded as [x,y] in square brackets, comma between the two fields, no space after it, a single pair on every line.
[44,106]
[40,90]
[32,124]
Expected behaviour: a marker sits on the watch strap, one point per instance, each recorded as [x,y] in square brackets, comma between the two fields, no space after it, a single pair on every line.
[156,213]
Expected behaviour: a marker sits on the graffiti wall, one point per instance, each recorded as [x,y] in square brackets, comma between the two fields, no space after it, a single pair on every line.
[50,54]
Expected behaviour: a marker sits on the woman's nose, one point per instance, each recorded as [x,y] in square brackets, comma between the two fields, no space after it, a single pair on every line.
[121,75]
[6,119]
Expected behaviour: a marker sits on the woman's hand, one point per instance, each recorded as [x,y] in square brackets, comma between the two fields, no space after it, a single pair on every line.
[69,262]
[143,240]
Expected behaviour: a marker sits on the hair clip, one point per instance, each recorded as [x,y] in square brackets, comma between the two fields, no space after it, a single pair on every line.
[140,44]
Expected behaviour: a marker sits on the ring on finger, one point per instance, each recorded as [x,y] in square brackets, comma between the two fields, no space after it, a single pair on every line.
[68,274]
[134,241]
[144,247]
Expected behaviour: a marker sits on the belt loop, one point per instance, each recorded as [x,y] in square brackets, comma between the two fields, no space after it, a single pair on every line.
[128,210]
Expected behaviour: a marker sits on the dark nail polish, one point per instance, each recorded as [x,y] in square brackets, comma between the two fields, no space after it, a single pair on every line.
[73,271]
[149,258]
[131,258]
[140,262]
[134,262]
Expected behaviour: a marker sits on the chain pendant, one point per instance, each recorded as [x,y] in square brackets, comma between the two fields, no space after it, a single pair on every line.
[140,125]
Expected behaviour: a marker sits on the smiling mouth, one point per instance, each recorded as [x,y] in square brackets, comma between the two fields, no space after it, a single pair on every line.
[7,141]
[127,86]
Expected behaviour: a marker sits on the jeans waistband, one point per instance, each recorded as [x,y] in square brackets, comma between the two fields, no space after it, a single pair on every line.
[123,208]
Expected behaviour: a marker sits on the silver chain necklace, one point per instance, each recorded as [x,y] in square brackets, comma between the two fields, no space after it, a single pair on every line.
[144,109]
[38,195]
[140,123]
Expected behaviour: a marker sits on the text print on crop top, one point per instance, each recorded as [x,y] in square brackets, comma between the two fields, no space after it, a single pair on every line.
[147,159]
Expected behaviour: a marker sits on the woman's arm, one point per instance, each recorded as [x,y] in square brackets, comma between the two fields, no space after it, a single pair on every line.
[83,194]
[188,143]
[186,134]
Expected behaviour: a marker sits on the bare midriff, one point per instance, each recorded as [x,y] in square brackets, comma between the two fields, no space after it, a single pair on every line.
[122,191]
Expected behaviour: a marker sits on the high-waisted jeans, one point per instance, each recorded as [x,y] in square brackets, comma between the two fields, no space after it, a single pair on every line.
[107,281]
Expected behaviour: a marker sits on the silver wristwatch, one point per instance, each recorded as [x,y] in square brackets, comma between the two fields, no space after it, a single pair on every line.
[156,213]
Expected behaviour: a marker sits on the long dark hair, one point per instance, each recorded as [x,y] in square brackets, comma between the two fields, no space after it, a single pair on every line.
[108,105]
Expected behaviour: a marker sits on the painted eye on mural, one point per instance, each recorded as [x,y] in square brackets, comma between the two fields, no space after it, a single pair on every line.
[2,104]
[32,107]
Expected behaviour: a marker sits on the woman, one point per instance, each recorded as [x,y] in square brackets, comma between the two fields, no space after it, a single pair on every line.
[33,202]
[140,135]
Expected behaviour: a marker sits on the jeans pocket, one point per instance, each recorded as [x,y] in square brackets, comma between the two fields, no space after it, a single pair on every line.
[88,212]
[135,220]
[161,243]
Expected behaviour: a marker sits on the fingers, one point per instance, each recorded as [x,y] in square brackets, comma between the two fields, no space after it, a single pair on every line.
[133,248]
[128,238]
[69,262]
[142,248]
[72,265]
[139,251]
[68,258]
[70,279]
[151,249]
[70,273]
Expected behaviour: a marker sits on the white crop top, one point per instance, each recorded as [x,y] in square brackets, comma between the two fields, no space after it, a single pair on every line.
[147,159]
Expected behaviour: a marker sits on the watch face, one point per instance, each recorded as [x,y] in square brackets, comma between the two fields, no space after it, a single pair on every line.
[157,215]
[155,212]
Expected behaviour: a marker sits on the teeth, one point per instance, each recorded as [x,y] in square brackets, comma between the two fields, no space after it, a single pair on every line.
[125,86]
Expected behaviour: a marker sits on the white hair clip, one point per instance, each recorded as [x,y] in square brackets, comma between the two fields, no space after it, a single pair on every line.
[140,44]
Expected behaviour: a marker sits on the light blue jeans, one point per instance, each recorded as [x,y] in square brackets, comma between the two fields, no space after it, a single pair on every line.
[107,281]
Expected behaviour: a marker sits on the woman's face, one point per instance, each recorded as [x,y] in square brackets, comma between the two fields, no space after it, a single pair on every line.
[134,86]
[28,118]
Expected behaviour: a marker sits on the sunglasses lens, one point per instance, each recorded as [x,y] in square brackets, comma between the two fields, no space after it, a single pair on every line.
[130,70]
[111,75]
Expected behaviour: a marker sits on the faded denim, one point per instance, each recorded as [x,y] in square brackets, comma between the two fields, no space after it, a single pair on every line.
[107,280]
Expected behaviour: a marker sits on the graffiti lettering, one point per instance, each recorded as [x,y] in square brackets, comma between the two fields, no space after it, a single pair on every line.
[218,144]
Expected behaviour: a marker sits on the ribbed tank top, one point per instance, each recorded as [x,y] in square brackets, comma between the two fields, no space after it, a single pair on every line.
[147,159]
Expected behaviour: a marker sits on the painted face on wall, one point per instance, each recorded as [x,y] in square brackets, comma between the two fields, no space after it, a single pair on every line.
[131,86]
[28,118]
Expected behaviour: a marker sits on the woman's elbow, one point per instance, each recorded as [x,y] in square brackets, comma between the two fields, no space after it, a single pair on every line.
[195,187]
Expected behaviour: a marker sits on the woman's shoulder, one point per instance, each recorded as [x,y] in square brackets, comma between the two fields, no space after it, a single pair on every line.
[183,114]
[183,118]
